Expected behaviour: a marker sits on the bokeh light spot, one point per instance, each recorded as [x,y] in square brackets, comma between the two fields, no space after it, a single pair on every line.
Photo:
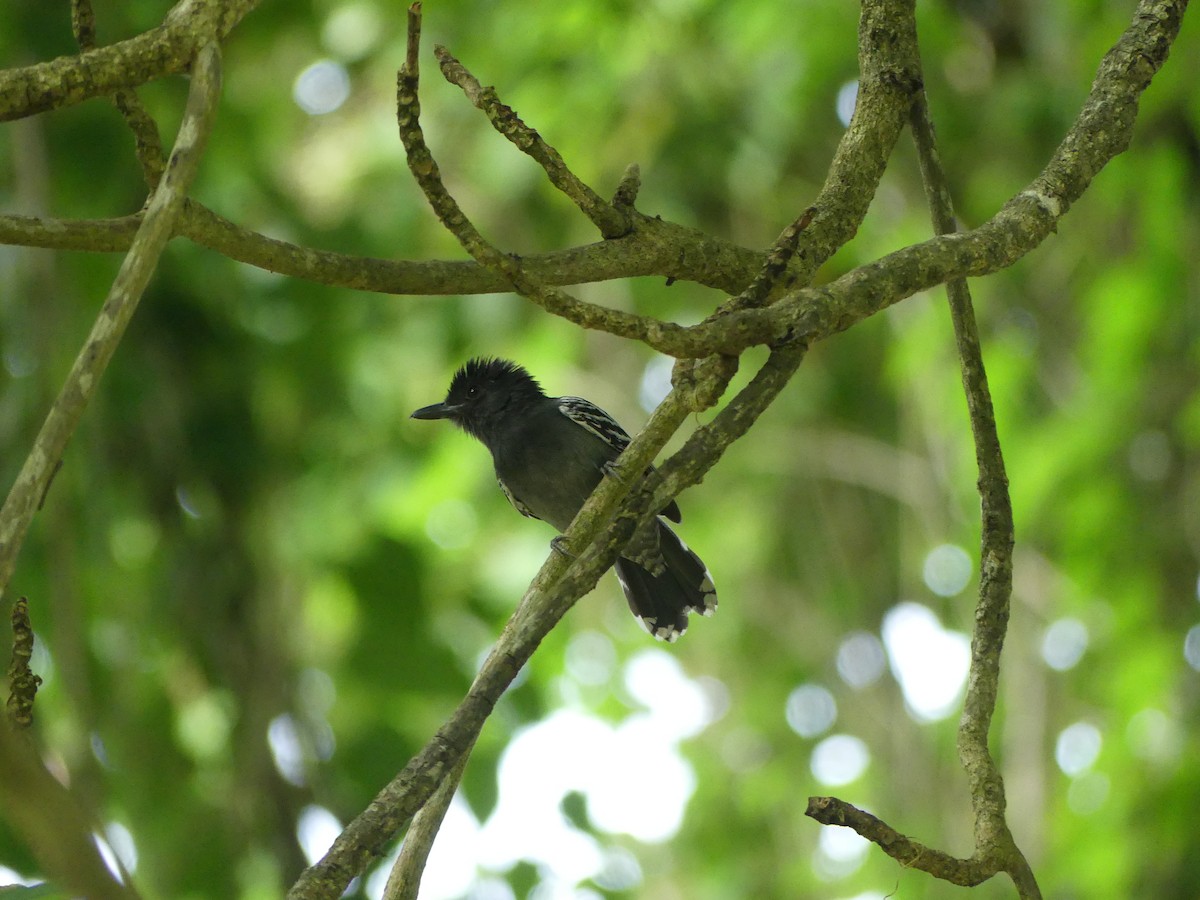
[839,759]
[929,662]
[1154,736]
[1191,647]
[591,658]
[847,96]
[810,710]
[947,570]
[1064,643]
[860,659]
[840,853]
[1077,747]
[1150,455]
[316,830]
[322,87]
[1088,793]
[451,524]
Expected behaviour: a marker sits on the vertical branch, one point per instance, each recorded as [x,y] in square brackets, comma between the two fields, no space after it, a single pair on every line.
[993,839]
[158,226]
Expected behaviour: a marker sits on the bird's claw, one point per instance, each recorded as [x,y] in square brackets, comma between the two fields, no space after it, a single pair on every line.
[559,545]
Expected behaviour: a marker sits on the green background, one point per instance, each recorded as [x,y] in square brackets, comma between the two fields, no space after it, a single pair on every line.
[247,526]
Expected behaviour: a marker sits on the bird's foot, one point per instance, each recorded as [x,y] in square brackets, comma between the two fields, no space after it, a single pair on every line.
[559,545]
[612,470]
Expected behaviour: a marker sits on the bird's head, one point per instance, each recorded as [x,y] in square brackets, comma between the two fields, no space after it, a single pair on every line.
[481,393]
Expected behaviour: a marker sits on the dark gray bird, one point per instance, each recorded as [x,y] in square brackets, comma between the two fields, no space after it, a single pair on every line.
[550,453]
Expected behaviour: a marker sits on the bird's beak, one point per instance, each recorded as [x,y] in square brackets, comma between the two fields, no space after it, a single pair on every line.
[436,411]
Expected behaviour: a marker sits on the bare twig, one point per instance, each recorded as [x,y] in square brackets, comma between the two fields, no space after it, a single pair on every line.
[995,848]
[776,263]
[1101,131]
[625,196]
[22,682]
[909,853]
[612,221]
[994,842]
[667,337]
[156,229]
[147,142]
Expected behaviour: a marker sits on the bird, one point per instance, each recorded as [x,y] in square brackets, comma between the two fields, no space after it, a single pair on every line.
[549,454]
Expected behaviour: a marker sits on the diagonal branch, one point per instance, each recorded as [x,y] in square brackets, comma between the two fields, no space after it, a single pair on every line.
[29,490]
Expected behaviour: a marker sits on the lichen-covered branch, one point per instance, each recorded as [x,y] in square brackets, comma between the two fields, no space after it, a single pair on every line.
[909,853]
[165,50]
[156,228]
[656,247]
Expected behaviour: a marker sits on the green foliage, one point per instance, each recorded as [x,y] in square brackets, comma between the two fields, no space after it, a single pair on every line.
[249,536]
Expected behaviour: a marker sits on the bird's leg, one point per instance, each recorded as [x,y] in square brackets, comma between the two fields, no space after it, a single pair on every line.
[611,469]
[559,545]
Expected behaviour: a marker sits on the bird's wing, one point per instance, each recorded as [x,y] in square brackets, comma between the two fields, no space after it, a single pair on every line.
[515,500]
[588,415]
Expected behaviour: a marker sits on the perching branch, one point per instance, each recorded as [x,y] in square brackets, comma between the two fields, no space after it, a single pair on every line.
[29,490]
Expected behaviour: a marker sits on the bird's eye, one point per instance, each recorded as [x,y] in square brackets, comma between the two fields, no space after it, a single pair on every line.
[472,392]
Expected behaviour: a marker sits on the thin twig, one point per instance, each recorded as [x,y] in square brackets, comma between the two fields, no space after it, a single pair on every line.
[147,142]
[909,853]
[625,196]
[993,839]
[156,229]
[612,222]
[667,337]
[776,263]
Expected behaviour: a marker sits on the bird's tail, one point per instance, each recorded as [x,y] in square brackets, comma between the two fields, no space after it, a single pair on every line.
[662,601]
